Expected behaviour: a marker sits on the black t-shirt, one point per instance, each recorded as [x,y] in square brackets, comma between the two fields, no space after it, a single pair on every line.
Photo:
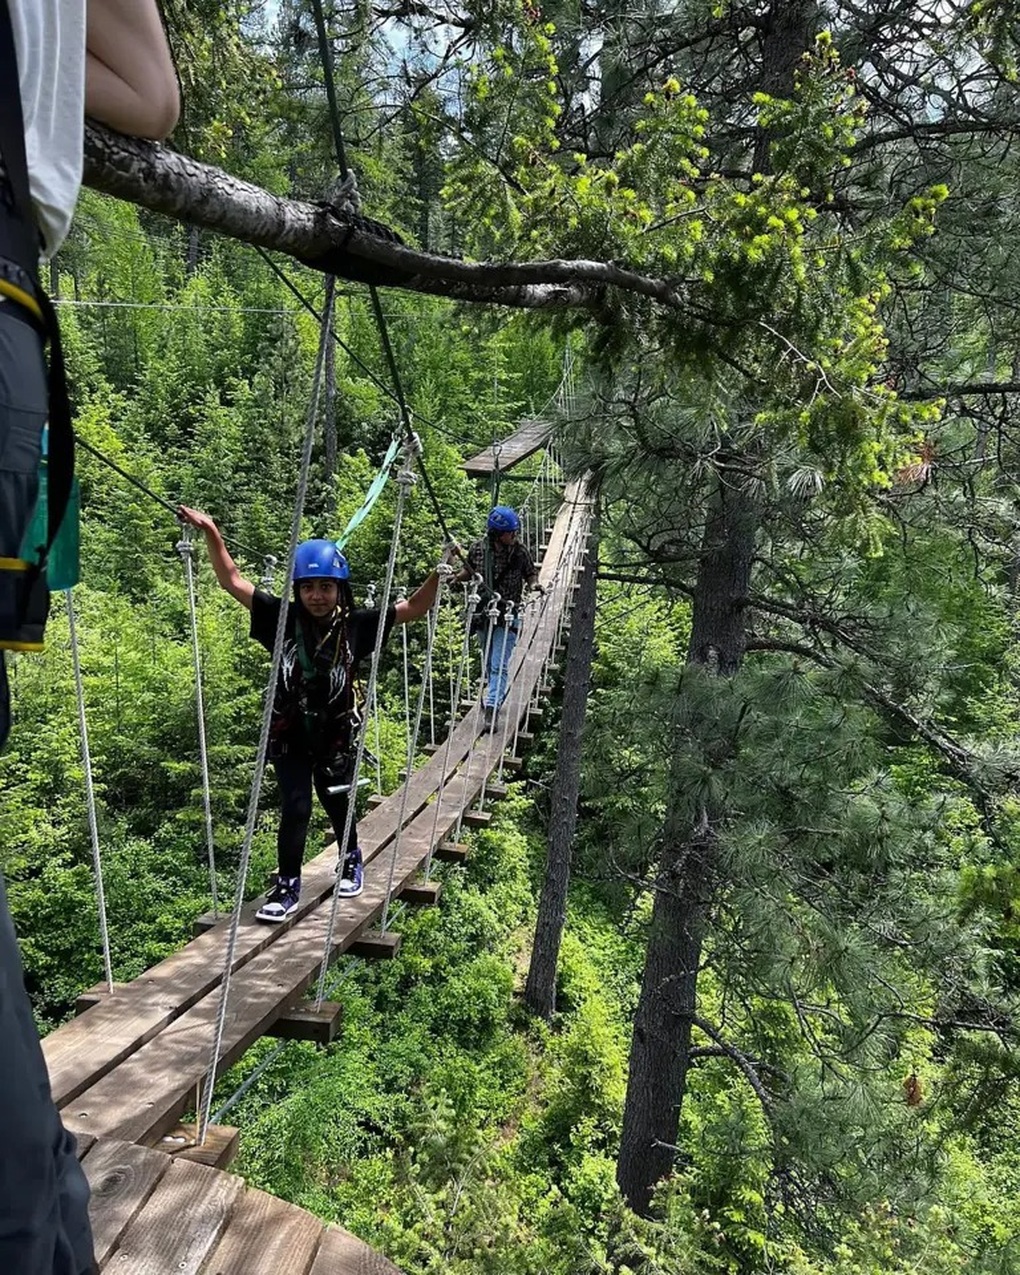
[314,707]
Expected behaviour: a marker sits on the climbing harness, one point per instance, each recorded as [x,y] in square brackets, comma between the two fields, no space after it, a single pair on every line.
[405,481]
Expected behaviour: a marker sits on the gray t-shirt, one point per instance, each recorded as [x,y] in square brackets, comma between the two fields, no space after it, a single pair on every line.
[49,37]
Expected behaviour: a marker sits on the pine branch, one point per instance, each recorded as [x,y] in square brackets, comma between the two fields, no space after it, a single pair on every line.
[743,1062]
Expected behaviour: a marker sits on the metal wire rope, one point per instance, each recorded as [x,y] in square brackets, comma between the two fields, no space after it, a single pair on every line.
[445,572]
[90,792]
[267,713]
[186,548]
[471,602]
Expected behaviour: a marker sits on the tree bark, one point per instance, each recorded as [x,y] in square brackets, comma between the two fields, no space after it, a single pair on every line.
[540,991]
[685,884]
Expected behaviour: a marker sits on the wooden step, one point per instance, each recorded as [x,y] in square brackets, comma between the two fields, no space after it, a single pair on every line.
[513,763]
[496,791]
[525,737]
[375,945]
[93,995]
[374,800]
[305,1022]
[421,894]
[451,852]
[477,818]
[217,1151]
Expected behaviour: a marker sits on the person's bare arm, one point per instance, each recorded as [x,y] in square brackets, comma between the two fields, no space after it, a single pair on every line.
[222,563]
[420,602]
[130,82]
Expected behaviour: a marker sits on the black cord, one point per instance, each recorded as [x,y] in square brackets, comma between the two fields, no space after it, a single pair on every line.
[166,504]
[326,57]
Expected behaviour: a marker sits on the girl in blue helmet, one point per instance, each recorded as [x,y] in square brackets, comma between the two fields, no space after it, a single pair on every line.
[313,731]
[505,566]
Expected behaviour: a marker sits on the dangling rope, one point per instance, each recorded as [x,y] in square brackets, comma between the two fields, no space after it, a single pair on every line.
[90,793]
[445,572]
[405,481]
[267,714]
[186,548]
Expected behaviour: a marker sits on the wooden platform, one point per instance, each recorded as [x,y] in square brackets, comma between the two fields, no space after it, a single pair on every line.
[508,452]
[126,1070]
[153,1214]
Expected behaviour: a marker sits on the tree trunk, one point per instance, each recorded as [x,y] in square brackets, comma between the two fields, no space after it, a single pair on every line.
[684,887]
[540,992]
[789,30]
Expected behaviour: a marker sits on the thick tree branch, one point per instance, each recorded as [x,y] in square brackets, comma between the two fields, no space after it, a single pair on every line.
[163,181]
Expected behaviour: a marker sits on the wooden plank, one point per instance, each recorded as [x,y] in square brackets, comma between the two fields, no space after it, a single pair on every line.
[305,1022]
[477,818]
[121,1177]
[220,1148]
[421,894]
[93,995]
[451,852]
[83,1144]
[342,1253]
[180,1224]
[201,924]
[376,945]
[374,800]
[527,439]
[266,1236]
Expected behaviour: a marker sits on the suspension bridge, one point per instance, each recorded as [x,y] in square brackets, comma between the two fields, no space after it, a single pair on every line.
[134,1062]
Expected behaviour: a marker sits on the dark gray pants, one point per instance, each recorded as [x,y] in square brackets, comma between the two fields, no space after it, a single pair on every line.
[23,399]
[44,1226]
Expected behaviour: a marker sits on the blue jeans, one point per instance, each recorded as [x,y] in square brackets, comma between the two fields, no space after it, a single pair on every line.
[498,672]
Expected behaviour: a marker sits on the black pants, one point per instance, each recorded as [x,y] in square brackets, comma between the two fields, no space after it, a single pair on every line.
[24,396]
[296,775]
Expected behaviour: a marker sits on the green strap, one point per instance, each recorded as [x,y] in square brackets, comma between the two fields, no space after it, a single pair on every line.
[373,493]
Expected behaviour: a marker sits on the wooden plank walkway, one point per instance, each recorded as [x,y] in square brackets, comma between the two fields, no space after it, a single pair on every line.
[153,1215]
[127,1069]
[509,451]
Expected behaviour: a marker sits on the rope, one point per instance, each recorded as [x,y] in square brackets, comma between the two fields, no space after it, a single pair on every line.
[267,713]
[90,793]
[147,491]
[445,572]
[473,598]
[186,548]
[405,481]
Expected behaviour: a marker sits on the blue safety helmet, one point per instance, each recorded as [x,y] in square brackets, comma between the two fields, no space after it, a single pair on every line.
[503,518]
[319,560]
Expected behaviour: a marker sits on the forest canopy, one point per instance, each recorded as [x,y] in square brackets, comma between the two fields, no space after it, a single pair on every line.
[767,248]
